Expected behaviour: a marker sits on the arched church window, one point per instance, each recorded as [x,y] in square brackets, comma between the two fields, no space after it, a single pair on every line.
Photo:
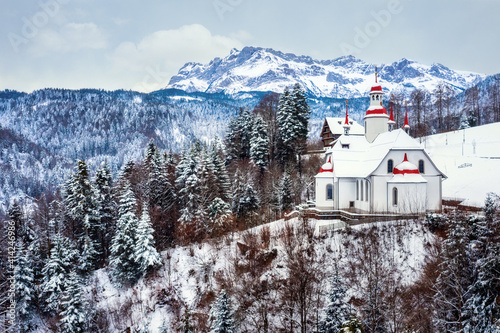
[329,192]
[390,166]
[421,167]
[373,97]
[394,196]
[377,97]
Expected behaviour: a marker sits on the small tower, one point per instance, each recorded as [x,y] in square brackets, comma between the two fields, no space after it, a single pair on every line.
[376,117]
[406,126]
[391,121]
[346,125]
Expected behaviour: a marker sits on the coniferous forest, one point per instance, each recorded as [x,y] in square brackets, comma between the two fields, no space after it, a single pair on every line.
[181,233]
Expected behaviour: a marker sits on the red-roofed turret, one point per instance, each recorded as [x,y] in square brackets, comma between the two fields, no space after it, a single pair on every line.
[405,168]
[376,116]
[327,167]
[406,126]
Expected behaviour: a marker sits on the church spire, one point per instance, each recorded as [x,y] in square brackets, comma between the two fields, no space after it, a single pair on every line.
[391,121]
[347,126]
[406,126]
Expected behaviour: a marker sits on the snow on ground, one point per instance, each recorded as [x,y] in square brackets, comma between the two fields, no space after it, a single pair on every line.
[470,159]
[189,271]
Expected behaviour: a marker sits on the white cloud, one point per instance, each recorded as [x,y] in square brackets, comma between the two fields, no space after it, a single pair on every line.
[69,38]
[159,55]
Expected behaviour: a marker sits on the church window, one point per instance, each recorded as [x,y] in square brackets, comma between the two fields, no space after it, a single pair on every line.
[373,97]
[421,167]
[390,166]
[377,97]
[395,196]
[345,146]
[329,192]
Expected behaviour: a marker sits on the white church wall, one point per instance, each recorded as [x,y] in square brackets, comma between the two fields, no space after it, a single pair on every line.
[379,202]
[433,193]
[411,197]
[375,125]
[321,192]
[347,192]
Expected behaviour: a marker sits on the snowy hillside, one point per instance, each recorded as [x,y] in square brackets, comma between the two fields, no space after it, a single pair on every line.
[471,160]
[190,274]
[258,69]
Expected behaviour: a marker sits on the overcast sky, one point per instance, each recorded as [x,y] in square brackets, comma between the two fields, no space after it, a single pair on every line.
[125,44]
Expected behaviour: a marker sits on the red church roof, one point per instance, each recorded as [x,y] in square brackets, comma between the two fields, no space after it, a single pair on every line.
[327,167]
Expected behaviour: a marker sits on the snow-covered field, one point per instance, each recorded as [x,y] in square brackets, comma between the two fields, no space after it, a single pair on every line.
[470,158]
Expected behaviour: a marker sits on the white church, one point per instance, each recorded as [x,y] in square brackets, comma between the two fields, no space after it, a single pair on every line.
[378,170]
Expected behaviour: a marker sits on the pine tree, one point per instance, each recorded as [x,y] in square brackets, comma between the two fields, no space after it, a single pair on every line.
[238,136]
[73,306]
[106,207]
[285,198]
[292,118]
[248,202]
[193,213]
[78,192]
[123,245]
[220,216]
[222,181]
[221,315]
[336,311]
[455,277]
[56,271]
[481,309]
[259,144]
[24,278]
[145,254]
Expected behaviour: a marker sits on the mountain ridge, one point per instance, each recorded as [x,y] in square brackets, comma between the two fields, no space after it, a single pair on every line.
[266,69]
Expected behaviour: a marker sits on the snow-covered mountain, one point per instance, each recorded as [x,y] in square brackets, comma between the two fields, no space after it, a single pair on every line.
[259,69]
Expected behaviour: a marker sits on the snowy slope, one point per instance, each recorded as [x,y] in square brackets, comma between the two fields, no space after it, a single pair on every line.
[471,160]
[190,272]
[258,69]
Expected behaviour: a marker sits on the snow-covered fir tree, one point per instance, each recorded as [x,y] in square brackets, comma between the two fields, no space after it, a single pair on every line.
[123,245]
[73,314]
[56,271]
[222,181]
[238,137]
[481,310]
[106,205]
[336,311]
[455,277]
[259,143]
[247,201]
[221,315]
[219,213]
[285,198]
[292,119]
[145,253]
[25,287]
